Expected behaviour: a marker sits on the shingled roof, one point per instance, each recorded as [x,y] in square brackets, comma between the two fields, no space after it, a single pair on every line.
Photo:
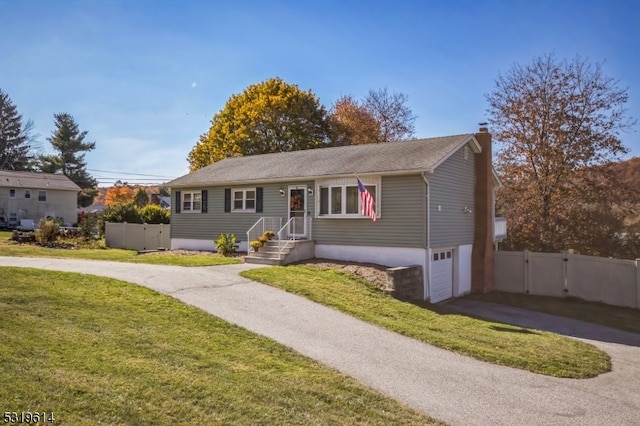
[420,155]
[32,180]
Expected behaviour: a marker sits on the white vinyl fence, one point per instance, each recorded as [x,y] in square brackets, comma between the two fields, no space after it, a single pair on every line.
[135,236]
[599,279]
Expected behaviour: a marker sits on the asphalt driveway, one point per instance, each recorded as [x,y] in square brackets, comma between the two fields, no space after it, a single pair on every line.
[450,387]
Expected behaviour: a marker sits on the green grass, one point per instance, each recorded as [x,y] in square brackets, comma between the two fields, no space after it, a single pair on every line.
[11,248]
[94,350]
[531,350]
[626,319]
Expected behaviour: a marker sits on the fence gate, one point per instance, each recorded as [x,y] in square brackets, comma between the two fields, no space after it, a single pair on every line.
[139,237]
[598,279]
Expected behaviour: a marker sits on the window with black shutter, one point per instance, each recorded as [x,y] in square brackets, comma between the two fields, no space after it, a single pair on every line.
[227,200]
[204,197]
[259,202]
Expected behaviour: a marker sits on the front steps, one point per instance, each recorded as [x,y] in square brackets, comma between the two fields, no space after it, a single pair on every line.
[273,253]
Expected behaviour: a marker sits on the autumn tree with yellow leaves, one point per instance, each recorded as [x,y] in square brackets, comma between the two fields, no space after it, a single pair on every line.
[272,116]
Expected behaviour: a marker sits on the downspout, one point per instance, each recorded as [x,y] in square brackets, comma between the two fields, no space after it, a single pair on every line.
[428,211]
[428,254]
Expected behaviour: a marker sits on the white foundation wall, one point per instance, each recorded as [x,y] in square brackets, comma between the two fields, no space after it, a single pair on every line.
[462,271]
[204,245]
[387,256]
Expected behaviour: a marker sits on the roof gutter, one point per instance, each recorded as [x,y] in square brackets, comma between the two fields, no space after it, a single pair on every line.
[297,178]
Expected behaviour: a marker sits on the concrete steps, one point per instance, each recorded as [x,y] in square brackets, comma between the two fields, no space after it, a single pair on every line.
[281,252]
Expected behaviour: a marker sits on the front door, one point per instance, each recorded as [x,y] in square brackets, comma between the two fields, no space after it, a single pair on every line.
[298,210]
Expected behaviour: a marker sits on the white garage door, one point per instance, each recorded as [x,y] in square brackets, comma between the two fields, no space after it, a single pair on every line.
[441,275]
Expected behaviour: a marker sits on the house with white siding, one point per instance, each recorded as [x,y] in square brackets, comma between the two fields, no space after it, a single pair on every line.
[433,201]
[32,196]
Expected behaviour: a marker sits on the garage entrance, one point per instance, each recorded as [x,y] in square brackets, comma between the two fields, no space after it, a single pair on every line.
[441,275]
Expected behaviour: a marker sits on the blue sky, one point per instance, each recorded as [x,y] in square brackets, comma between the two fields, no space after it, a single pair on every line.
[145,77]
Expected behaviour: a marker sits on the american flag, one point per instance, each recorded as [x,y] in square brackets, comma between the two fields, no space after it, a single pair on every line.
[368,203]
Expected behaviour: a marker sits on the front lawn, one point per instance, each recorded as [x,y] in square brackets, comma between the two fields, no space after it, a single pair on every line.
[532,350]
[95,350]
[11,248]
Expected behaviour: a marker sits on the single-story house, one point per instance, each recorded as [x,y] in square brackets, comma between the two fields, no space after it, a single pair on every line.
[32,196]
[434,203]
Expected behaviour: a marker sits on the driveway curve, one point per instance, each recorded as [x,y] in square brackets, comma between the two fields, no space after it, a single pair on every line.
[450,387]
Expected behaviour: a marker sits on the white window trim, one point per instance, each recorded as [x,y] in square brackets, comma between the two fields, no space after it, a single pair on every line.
[45,196]
[12,193]
[375,181]
[27,192]
[190,209]
[244,208]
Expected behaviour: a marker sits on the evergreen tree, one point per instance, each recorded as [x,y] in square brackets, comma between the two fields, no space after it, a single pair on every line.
[68,143]
[141,198]
[16,141]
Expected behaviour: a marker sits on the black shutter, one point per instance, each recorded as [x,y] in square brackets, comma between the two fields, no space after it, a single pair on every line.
[178,201]
[204,201]
[227,200]
[258,200]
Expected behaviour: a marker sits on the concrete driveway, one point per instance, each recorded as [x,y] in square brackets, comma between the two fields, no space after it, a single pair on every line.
[449,387]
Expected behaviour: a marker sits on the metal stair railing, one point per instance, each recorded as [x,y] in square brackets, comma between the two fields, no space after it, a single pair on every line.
[263,224]
[290,237]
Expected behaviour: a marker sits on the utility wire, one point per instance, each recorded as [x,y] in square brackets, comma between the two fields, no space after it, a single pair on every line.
[132,174]
[130,179]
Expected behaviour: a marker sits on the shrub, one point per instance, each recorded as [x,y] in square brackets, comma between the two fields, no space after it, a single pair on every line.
[263,239]
[88,225]
[120,213]
[47,231]
[256,244]
[226,244]
[154,214]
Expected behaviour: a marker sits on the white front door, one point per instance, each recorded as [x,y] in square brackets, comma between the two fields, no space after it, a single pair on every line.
[298,210]
[441,275]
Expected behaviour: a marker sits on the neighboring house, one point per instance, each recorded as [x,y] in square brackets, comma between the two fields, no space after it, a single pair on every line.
[28,196]
[434,204]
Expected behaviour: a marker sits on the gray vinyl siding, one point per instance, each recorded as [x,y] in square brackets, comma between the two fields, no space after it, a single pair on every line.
[402,222]
[452,188]
[208,226]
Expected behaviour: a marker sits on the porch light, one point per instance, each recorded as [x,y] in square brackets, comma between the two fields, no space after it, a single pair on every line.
[282,192]
[310,191]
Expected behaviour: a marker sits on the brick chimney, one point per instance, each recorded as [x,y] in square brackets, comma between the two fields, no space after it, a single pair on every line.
[482,252]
